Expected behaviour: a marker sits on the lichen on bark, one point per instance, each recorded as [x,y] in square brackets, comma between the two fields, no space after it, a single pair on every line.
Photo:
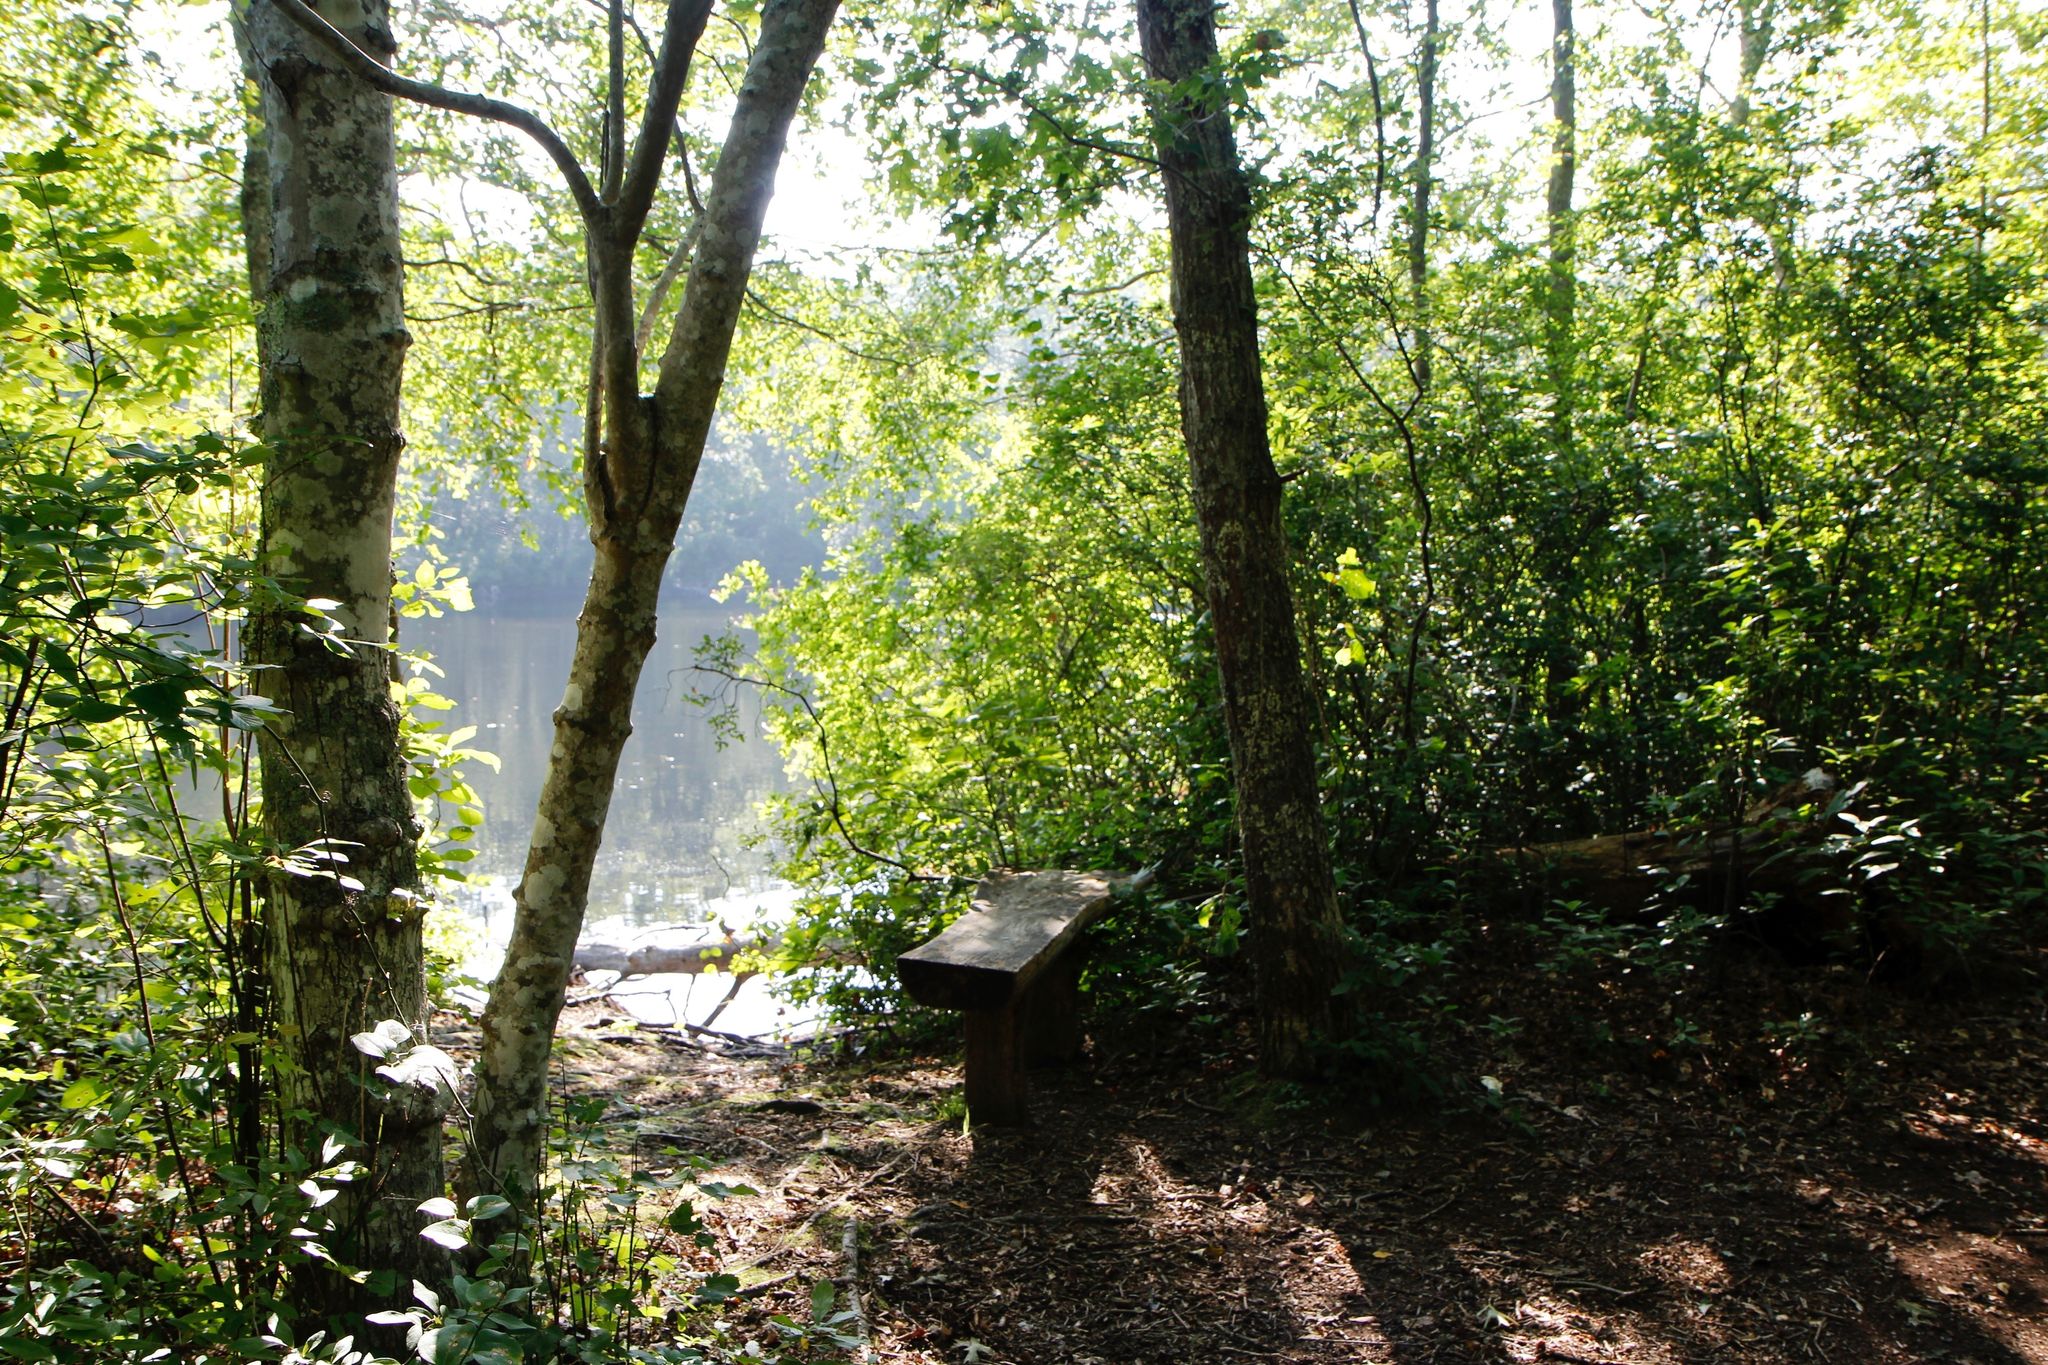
[342,946]
[1290,893]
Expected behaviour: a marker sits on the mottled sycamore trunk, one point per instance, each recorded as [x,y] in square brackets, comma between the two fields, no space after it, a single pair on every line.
[637,483]
[342,949]
[1292,898]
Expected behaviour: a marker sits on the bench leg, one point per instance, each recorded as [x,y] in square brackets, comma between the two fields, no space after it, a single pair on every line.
[996,1089]
[1051,1012]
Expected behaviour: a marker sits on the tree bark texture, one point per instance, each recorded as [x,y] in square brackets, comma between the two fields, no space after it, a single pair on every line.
[637,482]
[342,938]
[1237,492]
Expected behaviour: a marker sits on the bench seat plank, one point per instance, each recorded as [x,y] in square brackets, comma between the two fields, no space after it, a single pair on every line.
[1018,925]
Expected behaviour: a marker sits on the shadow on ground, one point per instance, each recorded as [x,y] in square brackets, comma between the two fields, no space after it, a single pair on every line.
[1619,1176]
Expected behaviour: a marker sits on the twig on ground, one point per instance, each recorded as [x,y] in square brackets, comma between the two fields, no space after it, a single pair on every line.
[754,1291]
[718,1009]
[1595,1284]
[849,1248]
[1430,1212]
[738,1039]
[612,992]
[675,1039]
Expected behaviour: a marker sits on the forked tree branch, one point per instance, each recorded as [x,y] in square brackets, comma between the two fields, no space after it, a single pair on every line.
[381,77]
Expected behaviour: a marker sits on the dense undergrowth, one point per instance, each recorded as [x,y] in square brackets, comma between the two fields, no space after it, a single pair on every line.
[1764,494]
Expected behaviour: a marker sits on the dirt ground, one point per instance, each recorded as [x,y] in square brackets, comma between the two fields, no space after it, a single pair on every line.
[1782,1164]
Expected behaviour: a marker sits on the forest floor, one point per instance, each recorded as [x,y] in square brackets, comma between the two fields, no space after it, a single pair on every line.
[1778,1164]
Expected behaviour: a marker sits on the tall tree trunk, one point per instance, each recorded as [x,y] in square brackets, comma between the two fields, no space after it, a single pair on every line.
[1292,897]
[1419,206]
[637,489]
[1563,534]
[1560,317]
[342,944]
[1757,25]
[1756,22]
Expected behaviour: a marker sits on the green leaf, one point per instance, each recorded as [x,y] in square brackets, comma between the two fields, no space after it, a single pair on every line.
[81,1093]
[381,1042]
[451,1233]
[163,701]
[718,1289]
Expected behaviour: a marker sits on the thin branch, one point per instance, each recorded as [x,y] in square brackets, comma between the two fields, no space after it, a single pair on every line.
[177,1147]
[632,26]
[671,270]
[829,788]
[380,77]
[1116,288]
[746,38]
[468,268]
[1036,110]
[493,308]
[893,362]
[1379,114]
[689,175]
[8,728]
[1399,417]
[679,259]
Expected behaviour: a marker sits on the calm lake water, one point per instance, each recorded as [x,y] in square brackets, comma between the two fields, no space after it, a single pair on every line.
[681,842]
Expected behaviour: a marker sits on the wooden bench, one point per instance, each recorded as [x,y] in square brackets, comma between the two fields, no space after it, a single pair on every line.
[1007,964]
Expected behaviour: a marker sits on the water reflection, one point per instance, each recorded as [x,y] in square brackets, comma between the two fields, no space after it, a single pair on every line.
[682,831]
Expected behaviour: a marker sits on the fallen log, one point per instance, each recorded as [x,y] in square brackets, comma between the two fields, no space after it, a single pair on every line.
[688,950]
[1780,850]
[704,953]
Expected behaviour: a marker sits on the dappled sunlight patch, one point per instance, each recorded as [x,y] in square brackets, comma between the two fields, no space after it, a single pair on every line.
[1110,1187]
[1564,1312]
[1999,1285]
[1242,1247]
[1140,1224]
[1957,1117]
[1687,1267]
[1544,1327]
[2016,1142]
